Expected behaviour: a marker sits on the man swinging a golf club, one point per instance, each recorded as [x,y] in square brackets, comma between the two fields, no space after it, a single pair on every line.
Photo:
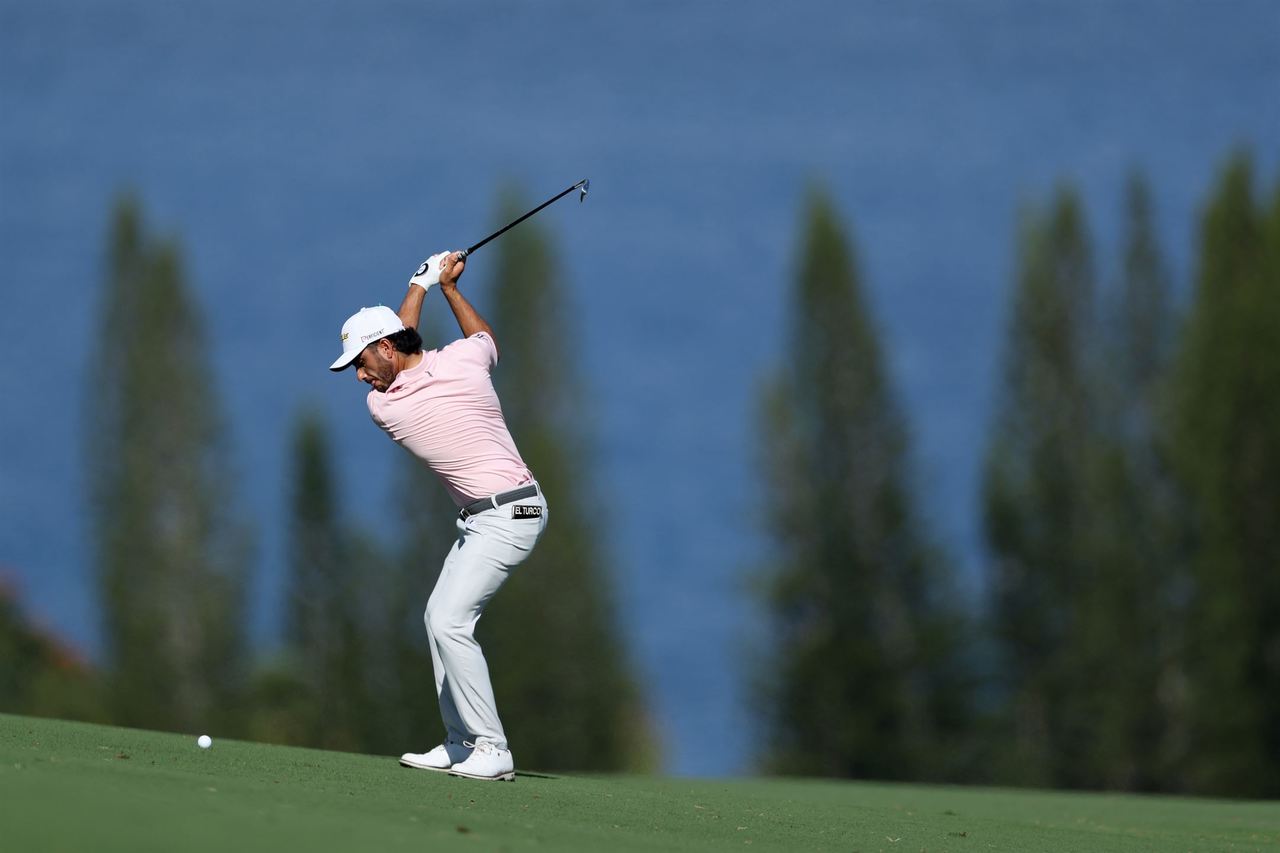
[440,405]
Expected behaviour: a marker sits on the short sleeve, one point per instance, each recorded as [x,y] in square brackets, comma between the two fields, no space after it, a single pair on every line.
[372,402]
[478,349]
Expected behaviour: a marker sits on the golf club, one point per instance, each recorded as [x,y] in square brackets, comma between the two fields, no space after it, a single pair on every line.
[582,186]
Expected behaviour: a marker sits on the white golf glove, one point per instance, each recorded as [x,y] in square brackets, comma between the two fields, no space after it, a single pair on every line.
[428,273]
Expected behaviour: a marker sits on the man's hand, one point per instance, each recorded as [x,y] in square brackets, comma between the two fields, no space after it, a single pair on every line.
[451,270]
[428,273]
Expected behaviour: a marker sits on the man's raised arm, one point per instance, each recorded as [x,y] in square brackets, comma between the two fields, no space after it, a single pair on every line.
[469,319]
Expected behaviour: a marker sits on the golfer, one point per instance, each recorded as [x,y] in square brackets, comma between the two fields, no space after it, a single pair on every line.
[440,405]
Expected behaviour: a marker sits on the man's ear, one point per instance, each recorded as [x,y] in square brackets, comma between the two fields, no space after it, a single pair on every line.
[386,349]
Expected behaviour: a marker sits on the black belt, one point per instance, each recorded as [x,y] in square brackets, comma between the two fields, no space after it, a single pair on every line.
[495,501]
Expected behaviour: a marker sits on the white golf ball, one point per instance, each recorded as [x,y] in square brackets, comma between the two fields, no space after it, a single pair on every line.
[204,741]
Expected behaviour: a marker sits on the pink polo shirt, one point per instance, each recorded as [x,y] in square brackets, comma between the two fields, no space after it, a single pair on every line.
[446,413]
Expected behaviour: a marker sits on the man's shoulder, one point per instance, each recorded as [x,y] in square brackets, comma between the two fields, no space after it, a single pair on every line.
[477,348]
[482,338]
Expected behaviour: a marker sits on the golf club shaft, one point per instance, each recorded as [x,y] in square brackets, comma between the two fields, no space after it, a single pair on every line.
[580,185]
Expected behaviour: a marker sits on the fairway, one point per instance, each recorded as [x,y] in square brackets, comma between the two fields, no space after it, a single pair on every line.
[73,786]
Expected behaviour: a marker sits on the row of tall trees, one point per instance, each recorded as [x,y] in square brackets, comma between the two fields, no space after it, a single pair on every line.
[1131,502]
[1130,631]
[353,671]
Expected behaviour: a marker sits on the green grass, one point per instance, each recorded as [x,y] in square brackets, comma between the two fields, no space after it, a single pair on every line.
[72,786]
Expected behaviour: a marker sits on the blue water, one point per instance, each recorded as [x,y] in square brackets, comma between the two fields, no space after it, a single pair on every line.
[308,154]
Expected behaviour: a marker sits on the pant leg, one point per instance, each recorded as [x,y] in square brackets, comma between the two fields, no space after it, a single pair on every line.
[455,730]
[491,544]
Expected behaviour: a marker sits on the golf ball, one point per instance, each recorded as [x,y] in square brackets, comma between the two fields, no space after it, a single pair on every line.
[204,741]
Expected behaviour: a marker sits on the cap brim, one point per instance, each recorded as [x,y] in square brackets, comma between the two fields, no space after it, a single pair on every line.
[344,361]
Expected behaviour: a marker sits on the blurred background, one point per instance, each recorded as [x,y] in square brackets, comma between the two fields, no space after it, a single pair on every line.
[905,392]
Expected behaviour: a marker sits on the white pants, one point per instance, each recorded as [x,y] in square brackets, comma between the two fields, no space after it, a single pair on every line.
[489,546]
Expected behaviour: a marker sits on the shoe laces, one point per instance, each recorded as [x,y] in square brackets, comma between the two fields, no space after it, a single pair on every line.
[484,747]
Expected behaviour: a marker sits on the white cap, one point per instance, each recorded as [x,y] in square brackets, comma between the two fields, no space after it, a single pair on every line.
[363,328]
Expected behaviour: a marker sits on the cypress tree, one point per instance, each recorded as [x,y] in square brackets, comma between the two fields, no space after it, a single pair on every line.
[326,629]
[1227,453]
[1036,499]
[171,556]
[560,669]
[1127,644]
[861,679]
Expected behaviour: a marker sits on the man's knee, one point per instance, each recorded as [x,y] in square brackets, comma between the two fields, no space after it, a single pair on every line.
[433,606]
[444,626]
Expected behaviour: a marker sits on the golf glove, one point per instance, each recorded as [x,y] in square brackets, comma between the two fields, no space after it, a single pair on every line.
[429,273]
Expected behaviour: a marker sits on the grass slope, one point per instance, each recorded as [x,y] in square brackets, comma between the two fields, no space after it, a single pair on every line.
[72,786]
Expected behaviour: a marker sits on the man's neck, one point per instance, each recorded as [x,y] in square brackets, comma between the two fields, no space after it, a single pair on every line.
[407,361]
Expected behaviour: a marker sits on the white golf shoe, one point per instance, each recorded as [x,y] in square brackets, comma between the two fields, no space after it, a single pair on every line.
[487,762]
[439,759]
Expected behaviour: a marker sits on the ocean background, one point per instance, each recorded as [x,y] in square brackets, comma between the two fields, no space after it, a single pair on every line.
[309,154]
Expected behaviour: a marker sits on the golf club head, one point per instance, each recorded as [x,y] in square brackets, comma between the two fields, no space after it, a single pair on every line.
[582,190]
